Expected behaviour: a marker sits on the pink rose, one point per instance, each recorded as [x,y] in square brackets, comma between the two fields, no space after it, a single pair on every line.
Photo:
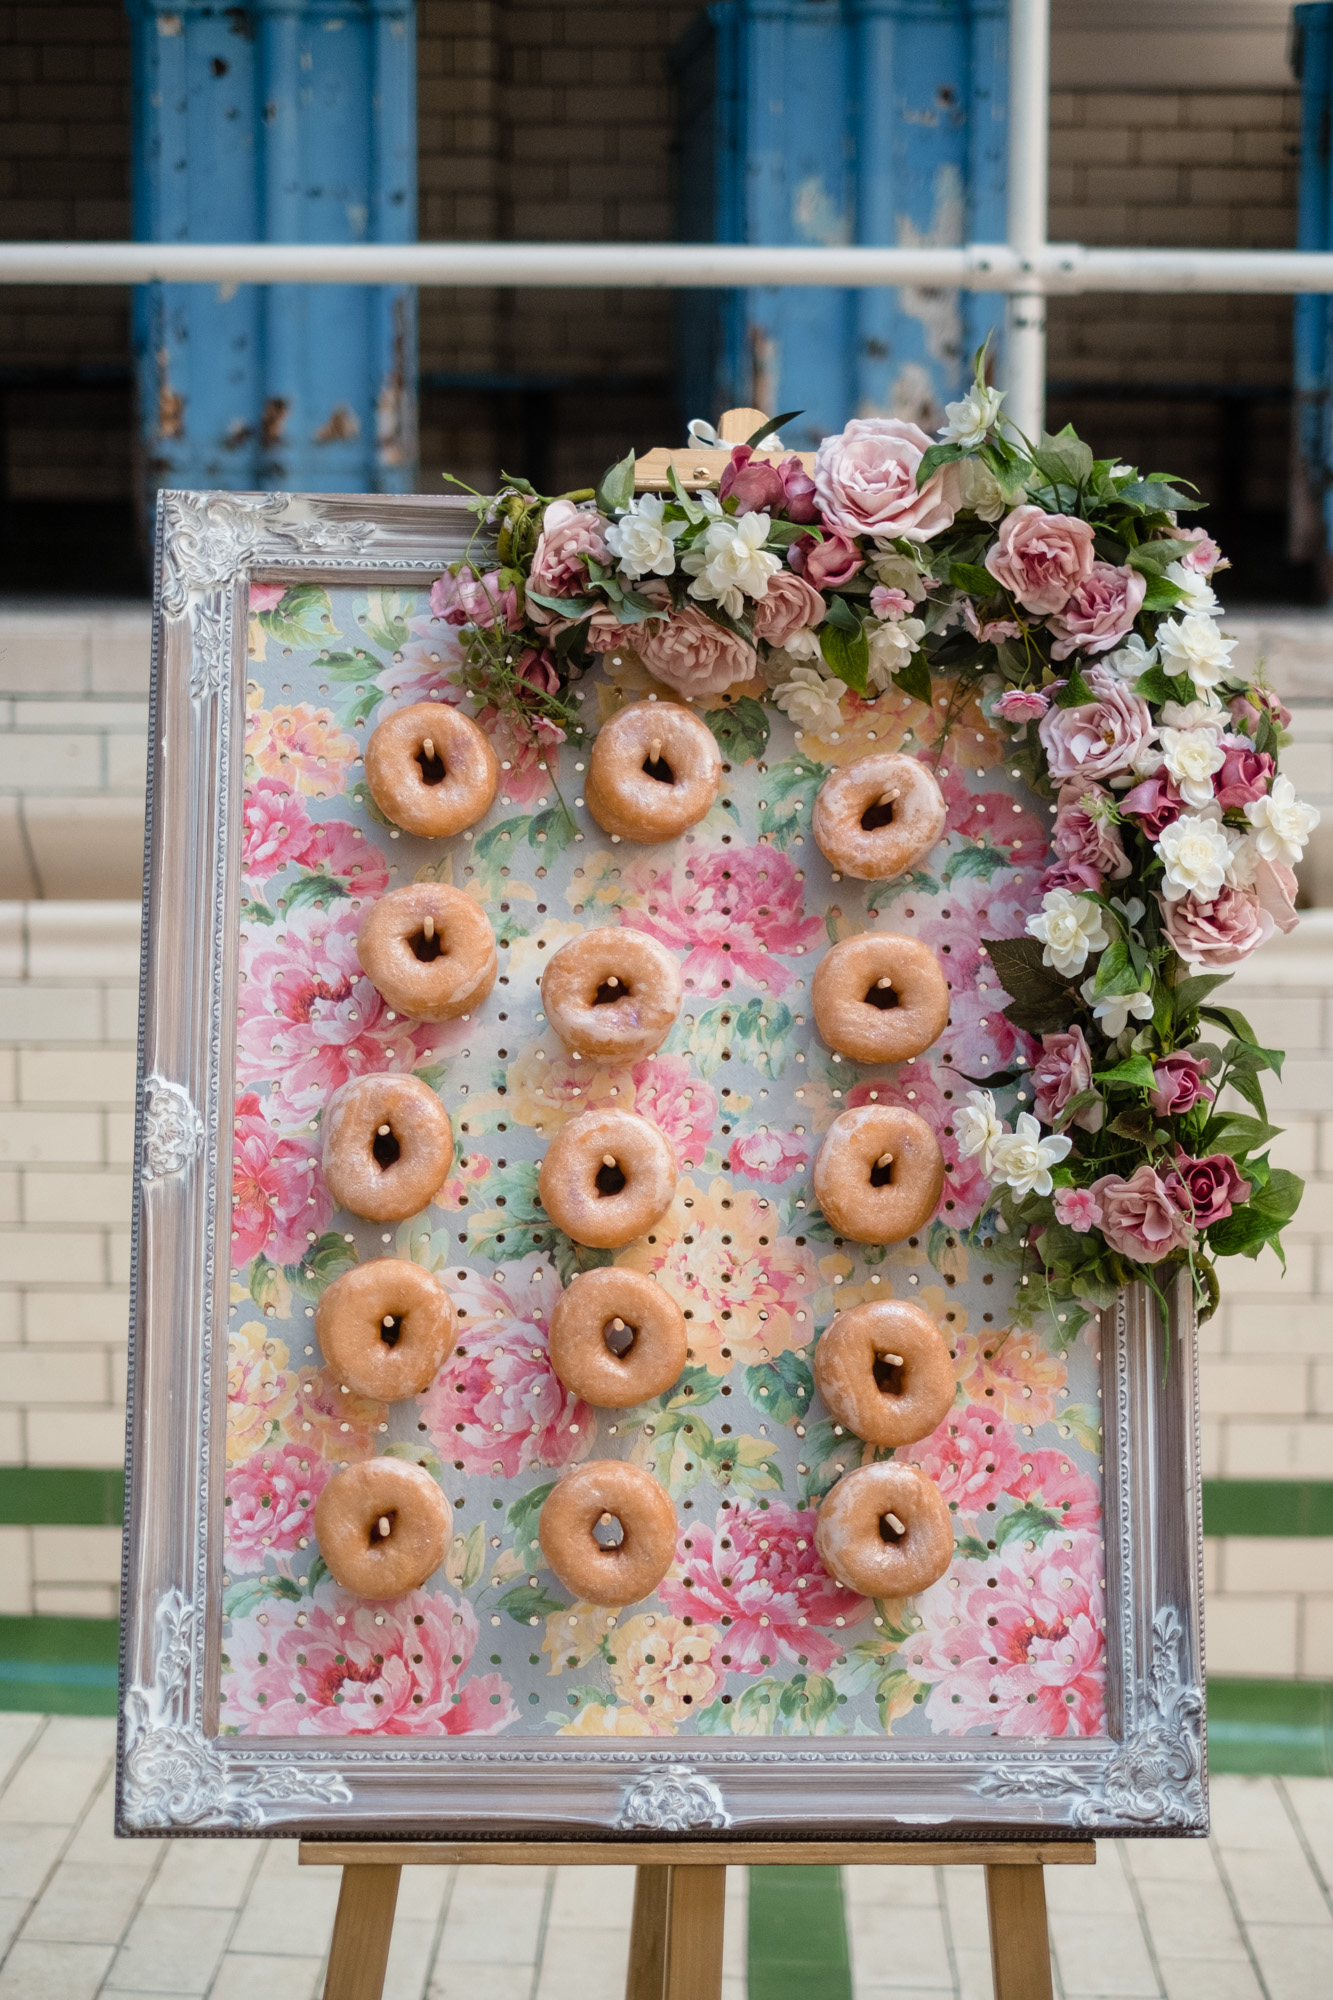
[1061,1072]
[568,533]
[1100,738]
[1207,1190]
[691,654]
[1080,876]
[1099,612]
[865,480]
[890,604]
[536,670]
[672,1097]
[1139,1218]
[1082,833]
[971,1458]
[790,604]
[1205,556]
[1155,804]
[1041,558]
[1219,933]
[1179,1085]
[1022,705]
[278,1191]
[1249,709]
[266,596]
[1078,1209]
[270,1503]
[994,630]
[768,1156]
[757,1570]
[1275,886]
[276,829]
[754,484]
[1245,775]
[475,600]
[798,490]
[827,564]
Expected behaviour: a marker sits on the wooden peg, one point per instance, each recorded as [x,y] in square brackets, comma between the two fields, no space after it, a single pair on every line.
[884,1160]
[428,928]
[385,1530]
[608,1159]
[383,1131]
[429,747]
[734,426]
[895,1524]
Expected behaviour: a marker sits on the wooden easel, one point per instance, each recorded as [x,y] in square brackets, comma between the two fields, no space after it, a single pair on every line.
[675,1950]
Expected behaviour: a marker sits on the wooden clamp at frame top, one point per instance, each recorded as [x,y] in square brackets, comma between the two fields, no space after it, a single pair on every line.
[702,465]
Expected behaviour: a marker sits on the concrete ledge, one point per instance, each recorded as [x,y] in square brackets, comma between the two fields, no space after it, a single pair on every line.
[77,941]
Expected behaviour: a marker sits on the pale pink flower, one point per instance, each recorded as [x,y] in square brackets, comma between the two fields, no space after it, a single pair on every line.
[954,930]
[1275,886]
[1007,1370]
[568,533]
[733,912]
[790,604]
[931,1094]
[1205,556]
[971,1456]
[1049,1479]
[1099,738]
[270,1504]
[483,600]
[680,1104]
[341,1425]
[757,1575]
[1217,934]
[278,1191]
[393,1668]
[1139,1218]
[1078,1209]
[427,669]
[991,632]
[1041,558]
[1178,1084]
[275,829]
[1061,1073]
[302,746]
[266,596]
[1022,705]
[768,1156]
[341,851]
[1083,833]
[889,603]
[692,655]
[1099,611]
[526,754]
[865,482]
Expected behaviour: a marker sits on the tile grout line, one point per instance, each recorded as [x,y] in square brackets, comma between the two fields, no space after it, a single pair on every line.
[1288,1806]
[246,1893]
[1150,1942]
[15,1768]
[548,1896]
[946,1926]
[433,1955]
[1224,1876]
[153,1874]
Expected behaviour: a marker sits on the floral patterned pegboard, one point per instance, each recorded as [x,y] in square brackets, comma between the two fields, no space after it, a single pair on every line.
[748,1634]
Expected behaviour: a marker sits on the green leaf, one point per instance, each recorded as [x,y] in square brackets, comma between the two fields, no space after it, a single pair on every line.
[1158,687]
[789,796]
[302,616]
[1246,1230]
[516,1222]
[1190,993]
[840,613]
[1237,1135]
[355,666]
[1115,971]
[244,1598]
[1025,1524]
[1064,458]
[256,913]
[529,1601]
[564,607]
[1155,496]
[1161,595]
[979,861]
[783,1387]
[311,889]
[1075,691]
[756,1033]
[466,1558]
[1018,966]
[974,578]
[914,679]
[771,424]
[552,830]
[938,455]
[324,1261]
[1151,558]
[387,613]
[825,1458]
[1135,1073]
[741,729]
[848,656]
[617,486]
[1085,1422]
[523,1516]
[268,1286]
[1136,1123]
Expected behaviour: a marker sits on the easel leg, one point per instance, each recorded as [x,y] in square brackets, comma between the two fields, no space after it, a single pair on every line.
[647,1938]
[1019,1946]
[362,1931]
[696,1906]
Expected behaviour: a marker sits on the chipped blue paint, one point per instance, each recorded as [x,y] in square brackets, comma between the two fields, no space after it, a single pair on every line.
[840,121]
[1312,50]
[290,121]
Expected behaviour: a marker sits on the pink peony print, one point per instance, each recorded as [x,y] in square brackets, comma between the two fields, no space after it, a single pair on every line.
[311,1020]
[1014,1645]
[496,1406]
[270,1504]
[972,1457]
[932,1094]
[279,1200]
[354,1669]
[756,1574]
[302,746]
[523,750]
[336,1422]
[979,1036]
[992,819]
[275,829]
[1007,1370]
[679,1103]
[768,1156]
[1049,1480]
[427,669]
[342,851]
[730,911]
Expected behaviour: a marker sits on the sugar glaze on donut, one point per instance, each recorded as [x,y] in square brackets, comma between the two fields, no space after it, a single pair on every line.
[607,1177]
[880,998]
[388,1146]
[655,770]
[878,817]
[885,1530]
[382,1527]
[576,1534]
[617,1338]
[885,1372]
[612,994]
[386,1328]
[879,1173]
[431,770]
[429,950]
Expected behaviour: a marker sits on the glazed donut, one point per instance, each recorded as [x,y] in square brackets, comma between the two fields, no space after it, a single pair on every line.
[386,1175]
[612,993]
[576,1507]
[431,770]
[429,950]
[655,770]
[607,1177]
[879,1173]
[382,1527]
[879,998]
[386,1328]
[885,1530]
[617,1338]
[883,1370]
[876,817]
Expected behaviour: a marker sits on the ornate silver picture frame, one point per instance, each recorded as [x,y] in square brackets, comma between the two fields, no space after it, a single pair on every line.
[178,1771]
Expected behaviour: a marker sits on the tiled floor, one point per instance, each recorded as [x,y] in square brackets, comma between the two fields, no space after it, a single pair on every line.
[1246,1916]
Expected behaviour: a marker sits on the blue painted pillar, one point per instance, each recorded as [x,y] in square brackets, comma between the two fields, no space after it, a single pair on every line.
[1312,512]
[841,121]
[287,121]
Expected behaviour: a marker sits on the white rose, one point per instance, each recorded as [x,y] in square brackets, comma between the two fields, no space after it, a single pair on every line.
[1070,926]
[891,647]
[1193,645]
[802,645]
[897,573]
[976,1127]
[1113,1010]
[1282,822]
[979,490]
[1132,659]
[1197,594]
[969,419]
[1022,1159]
[642,540]
[811,701]
[1206,714]
[732,563]
[1191,756]
[1196,855]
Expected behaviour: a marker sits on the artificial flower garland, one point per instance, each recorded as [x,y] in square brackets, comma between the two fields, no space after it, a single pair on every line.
[1061,592]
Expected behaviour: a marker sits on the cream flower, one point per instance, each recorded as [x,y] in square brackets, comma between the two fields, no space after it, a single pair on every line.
[1197,594]
[642,541]
[1070,926]
[1191,756]
[732,564]
[810,700]
[897,572]
[1282,822]
[1132,659]
[891,647]
[1196,855]
[977,1127]
[1193,645]
[801,645]
[1113,1011]
[1022,1159]
[968,420]
[1207,713]
[979,491]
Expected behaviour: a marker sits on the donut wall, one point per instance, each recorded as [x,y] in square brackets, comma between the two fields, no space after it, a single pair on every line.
[601,1454]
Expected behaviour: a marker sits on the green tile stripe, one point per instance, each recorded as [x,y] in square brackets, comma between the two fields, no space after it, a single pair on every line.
[59,1666]
[1260,1728]
[797,1945]
[1268,1506]
[59,1496]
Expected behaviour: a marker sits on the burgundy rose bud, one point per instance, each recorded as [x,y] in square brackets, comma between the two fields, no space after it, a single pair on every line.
[1178,1085]
[1206,1191]
[755,485]
[1245,775]
[799,490]
[1155,804]
[537,670]
[825,564]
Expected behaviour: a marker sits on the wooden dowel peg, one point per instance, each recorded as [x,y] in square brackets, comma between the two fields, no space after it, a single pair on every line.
[387,1320]
[612,980]
[884,1160]
[894,1360]
[429,747]
[895,1524]
[608,1159]
[884,984]
[618,1326]
[655,750]
[383,1131]
[428,928]
[384,1527]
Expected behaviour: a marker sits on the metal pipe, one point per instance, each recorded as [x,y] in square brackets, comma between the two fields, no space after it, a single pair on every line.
[1029,111]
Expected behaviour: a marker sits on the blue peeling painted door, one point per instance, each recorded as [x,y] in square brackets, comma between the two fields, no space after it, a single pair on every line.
[1312,509]
[287,121]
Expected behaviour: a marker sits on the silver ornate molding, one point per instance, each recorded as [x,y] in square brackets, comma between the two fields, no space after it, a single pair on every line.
[673,1799]
[173,1131]
[209,538]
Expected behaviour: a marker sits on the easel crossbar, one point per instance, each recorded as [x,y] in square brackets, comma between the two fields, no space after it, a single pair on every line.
[698,1853]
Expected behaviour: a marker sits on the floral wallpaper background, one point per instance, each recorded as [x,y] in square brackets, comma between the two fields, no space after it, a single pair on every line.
[748,1634]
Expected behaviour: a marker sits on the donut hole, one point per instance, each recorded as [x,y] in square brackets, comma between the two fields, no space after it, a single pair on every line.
[877,815]
[881,1173]
[882,996]
[391,1329]
[608,1532]
[609,992]
[427,949]
[657,767]
[891,1530]
[619,1337]
[386,1149]
[610,1179]
[888,1375]
[432,766]
[382,1527]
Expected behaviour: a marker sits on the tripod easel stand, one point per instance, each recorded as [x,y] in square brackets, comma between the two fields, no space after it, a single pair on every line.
[676,1942]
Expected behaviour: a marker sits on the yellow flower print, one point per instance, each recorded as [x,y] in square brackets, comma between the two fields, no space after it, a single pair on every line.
[599,1720]
[661,1665]
[574,1637]
[528,957]
[599,885]
[260,1391]
[868,727]
[301,745]
[545,1088]
[339,1425]
[1009,1371]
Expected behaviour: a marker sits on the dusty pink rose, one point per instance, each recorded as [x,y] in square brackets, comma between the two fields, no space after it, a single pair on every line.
[691,654]
[1083,833]
[568,533]
[1249,709]
[790,604]
[754,484]
[1155,804]
[990,631]
[798,490]
[679,1103]
[483,600]
[536,670]
[1219,933]
[1022,705]
[1078,1209]
[395,1668]
[1062,1071]
[1099,611]
[768,1156]
[1205,556]
[1014,1645]
[1099,738]
[1179,1085]
[971,1456]
[1041,558]
[1080,876]
[275,829]
[828,564]
[865,480]
[759,1563]
[1049,1480]
[278,1191]
[734,912]
[891,604]
[1275,886]
[1246,773]
[1207,1190]
[266,596]
[931,1095]
[1139,1218]
[496,1401]
[270,1503]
